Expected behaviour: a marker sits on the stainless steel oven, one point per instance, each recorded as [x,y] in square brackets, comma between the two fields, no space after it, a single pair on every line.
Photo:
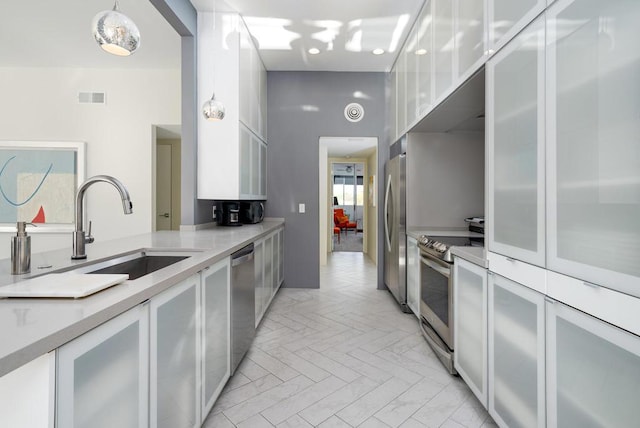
[436,307]
[436,291]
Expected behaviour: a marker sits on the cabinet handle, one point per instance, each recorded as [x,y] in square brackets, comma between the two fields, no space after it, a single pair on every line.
[511,259]
[591,285]
[549,300]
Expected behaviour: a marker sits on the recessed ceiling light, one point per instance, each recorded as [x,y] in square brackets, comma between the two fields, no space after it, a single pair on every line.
[314,51]
[421,52]
[378,51]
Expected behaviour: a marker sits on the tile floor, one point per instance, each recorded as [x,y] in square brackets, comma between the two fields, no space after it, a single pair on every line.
[343,356]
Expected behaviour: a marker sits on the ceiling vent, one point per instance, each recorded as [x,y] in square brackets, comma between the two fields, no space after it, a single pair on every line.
[92,98]
[354,112]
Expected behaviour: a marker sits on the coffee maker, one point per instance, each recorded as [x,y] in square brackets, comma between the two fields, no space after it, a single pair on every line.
[227,213]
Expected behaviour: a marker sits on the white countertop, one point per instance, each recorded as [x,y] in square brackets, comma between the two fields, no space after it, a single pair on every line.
[33,327]
[475,255]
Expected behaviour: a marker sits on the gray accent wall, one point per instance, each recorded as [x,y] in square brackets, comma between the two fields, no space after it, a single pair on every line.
[302,107]
[182,16]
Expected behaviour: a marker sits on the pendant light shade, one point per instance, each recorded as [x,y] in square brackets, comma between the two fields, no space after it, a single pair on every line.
[115,32]
[213,109]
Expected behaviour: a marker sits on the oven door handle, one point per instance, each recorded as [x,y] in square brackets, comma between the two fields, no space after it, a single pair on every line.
[440,269]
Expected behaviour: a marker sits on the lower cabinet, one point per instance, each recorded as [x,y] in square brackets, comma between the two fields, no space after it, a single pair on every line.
[516,354]
[104,370]
[269,266]
[175,357]
[470,326]
[216,340]
[593,371]
[413,276]
[27,394]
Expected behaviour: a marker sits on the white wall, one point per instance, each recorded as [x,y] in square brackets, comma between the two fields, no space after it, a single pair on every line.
[372,213]
[42,104]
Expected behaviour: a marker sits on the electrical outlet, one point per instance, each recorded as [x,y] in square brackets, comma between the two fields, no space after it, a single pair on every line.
[301,208]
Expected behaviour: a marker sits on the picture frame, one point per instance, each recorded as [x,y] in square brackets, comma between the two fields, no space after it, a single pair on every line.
[38,183]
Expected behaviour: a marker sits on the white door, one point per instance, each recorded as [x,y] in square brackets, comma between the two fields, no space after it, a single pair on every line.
[163,187]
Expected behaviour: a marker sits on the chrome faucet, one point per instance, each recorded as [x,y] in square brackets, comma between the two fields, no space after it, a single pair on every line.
[79,237]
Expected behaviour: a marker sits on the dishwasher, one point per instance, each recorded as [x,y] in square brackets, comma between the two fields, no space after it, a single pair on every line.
[243,307]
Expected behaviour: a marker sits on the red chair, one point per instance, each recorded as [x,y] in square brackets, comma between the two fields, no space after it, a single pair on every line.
[341,220]
[336,231]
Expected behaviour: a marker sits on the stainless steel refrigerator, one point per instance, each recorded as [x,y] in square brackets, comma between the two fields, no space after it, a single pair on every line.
[395,238]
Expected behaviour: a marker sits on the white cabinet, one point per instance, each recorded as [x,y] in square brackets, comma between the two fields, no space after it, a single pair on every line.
[216,339]
[401,93]
[253,155]
[411,79]
[413,276]
[269,266]
[593,105]
[280,257]
[443,47]
[470,37]
[27,394]
[424,52]
[105,369]
[515,148]
[506,18]
[392,117]
[516,354]
[593,371]
[470,321]
[175,357]
[232,151]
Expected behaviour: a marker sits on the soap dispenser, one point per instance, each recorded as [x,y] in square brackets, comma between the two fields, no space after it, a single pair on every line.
[21,250]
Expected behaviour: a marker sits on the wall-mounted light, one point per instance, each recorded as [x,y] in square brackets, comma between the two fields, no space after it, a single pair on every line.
[115,32]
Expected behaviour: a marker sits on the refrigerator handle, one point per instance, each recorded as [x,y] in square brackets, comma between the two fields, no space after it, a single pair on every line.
[386,213]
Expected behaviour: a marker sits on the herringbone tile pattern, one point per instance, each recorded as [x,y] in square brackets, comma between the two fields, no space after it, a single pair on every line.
[343,356]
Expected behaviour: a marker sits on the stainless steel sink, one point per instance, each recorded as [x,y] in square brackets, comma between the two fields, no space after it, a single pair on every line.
[137,264]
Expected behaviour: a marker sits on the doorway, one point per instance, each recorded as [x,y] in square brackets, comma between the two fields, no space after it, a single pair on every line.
[167,178]
[348,150]
[347,187]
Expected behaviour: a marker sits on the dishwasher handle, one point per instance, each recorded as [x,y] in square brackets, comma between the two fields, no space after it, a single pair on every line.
[242,256]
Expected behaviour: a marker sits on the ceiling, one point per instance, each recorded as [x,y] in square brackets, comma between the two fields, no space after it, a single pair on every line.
[345,32]
[46,33]
[58,33]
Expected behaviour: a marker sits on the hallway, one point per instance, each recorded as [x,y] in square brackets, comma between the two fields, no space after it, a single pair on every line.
[343,356]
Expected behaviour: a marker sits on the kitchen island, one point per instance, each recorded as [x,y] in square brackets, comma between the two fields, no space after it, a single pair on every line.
[32,327]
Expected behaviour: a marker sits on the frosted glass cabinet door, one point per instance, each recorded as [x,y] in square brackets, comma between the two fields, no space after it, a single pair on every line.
[593,371]
[262,191]
[401,92]
[256,165]
[424,52]
[443,46]
[593,162]
[258,265]
[411,64]
[470,321]
[103,375]
[516,354]
[507,17]
[470,37]
[175,358]
[245,161]
[413,275]
[515,147]
[216,323]
[281,258]
[393,104]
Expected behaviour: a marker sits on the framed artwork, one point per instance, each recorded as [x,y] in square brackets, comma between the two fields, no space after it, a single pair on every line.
[38,182]
[372,190]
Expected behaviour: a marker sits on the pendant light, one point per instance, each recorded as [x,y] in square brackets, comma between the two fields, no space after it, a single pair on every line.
[115,32]
[213,109]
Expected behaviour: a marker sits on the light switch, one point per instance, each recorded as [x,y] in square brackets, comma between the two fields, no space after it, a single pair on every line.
[301,208]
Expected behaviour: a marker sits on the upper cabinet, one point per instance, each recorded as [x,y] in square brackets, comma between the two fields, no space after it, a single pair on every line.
[443,46]
[470,37]
[593,159]
[424,52]
[506,18]
[231,151]
[515,147]
[411,66]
